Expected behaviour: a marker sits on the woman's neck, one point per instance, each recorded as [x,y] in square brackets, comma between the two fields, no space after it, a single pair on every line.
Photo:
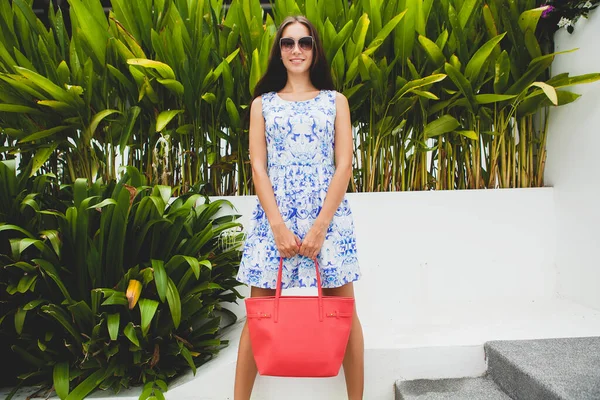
[300,84]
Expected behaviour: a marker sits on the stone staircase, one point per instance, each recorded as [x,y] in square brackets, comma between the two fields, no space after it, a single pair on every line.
[547,369]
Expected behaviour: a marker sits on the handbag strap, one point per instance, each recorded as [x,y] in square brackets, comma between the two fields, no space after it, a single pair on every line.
[278,289]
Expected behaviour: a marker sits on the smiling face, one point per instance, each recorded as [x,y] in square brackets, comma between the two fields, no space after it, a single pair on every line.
[297,57]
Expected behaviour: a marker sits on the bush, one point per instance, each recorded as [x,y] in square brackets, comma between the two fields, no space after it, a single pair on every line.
[117,288]
[444,94]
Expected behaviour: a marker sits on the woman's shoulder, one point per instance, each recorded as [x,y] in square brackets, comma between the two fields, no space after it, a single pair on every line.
[262,99]
[334,94]
[268,95]
[337,98]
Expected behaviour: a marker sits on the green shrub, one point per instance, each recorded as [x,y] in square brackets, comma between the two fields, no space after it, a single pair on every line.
[444,94]
[121,287]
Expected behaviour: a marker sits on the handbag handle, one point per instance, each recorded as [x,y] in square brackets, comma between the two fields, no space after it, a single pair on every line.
[278,289]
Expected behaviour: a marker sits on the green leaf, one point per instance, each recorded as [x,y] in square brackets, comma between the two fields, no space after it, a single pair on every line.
[462,84]
[433,51]
[535,68]
[489,21]
[25,283]
[475,67]
[234,116]
[91,30]
[193,262]
[113,325]
[255,71]
[132,115]
[97,119]
[63,318]
[220,68]
[9,227]
[20,320]
[103,203]
[174,303]
[188,357]
[49,269]
[163,69]
[28,357]
[458,34]
[493,98]
[147,391]
[444,124]
[404,39]
[502,72]
[338,41]
[534,103]
[173,85]
[359,35]
[415,84]
[165,117]
[59,106]
[383,34]
[469,134]
[130,333]
[160,278]
[528,20]
[33,304]
[210,98]
[533,47]
[563,80]
[466,11]
[87,386]
[41,156]
[43,134]
[117,298]
[47,85]
[60,377]
[147,310]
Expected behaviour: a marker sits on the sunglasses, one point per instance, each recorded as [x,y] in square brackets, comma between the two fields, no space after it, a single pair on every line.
[304,43]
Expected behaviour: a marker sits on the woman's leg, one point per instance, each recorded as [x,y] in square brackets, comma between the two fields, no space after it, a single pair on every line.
[354,362]
[245,371]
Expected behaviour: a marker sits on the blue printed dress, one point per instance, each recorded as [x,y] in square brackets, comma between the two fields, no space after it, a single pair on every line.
[300,161]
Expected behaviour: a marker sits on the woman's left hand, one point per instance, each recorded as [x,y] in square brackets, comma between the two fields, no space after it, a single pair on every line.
[313,241]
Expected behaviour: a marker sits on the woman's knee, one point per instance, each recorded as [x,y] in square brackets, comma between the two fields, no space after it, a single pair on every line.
[261,292]
[346,290]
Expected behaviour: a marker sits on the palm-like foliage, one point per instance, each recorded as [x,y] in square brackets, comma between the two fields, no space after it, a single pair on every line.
[442,96]
[118,288]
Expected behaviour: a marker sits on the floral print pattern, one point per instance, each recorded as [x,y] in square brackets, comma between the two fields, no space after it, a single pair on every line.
[300,161]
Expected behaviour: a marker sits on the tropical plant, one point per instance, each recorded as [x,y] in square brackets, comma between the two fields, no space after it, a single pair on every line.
[123,287]
[447,97]
[565,13]
[480,127]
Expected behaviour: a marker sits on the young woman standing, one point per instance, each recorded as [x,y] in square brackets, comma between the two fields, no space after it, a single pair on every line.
[301,156]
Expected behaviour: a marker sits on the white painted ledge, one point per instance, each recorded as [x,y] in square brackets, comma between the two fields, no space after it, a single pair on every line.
[443,272]
[447,343]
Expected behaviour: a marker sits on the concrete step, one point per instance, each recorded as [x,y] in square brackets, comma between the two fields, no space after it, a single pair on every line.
[450,389]
[547,369]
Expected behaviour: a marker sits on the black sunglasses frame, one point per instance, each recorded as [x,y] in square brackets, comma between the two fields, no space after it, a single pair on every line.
[297,42]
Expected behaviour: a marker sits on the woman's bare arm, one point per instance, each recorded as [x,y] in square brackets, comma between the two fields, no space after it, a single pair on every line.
[311,245]
[286,241]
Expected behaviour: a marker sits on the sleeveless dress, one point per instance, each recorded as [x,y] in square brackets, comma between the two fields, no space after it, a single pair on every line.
[300,164]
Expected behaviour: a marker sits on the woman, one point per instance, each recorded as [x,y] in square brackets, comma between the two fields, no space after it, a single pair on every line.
[300,179]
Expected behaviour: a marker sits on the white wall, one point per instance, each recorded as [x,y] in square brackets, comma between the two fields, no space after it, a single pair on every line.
[572,167]
[423,250]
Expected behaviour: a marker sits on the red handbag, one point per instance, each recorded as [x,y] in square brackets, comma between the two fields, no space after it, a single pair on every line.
[299,336]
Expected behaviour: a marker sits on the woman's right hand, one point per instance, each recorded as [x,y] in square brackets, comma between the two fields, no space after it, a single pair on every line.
[287,243]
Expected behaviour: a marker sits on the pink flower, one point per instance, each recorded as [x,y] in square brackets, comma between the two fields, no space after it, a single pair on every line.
[547,11]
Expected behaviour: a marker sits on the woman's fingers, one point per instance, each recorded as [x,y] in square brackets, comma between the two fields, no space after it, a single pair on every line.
[289,248]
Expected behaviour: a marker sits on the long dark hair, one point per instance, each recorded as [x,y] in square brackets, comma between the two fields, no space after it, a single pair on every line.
[275,77]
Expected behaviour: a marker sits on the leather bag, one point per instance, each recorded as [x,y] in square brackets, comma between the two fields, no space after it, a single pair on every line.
[299,336]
